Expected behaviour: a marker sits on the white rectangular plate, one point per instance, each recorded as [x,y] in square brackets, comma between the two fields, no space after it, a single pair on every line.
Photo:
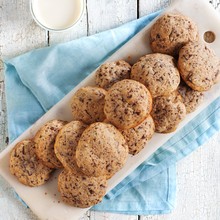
[44,200]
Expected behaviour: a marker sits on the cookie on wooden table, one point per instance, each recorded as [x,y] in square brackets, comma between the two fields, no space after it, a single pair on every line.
[112,72]
[79,190]
[168,112]
[66,142]
[191,98]
[138,136]
[101,150]
[172,31]
[26,166]
[127,104]
[87,105]
[199,66]
[157,72]
[45,139]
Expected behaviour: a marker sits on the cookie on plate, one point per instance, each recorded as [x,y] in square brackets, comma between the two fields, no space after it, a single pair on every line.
[87,104]
[191,98]
[172,31]
[66,142]
[138,136]
[26,166]
[157,72]
[101,150]
[79,190]
[168,112]
[199,66]
[112,72]
[45,139]
[127,104]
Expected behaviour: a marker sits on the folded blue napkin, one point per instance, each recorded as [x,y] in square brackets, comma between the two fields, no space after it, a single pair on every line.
[37,80]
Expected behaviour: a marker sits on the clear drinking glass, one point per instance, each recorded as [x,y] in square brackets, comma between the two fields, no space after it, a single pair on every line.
[44,25]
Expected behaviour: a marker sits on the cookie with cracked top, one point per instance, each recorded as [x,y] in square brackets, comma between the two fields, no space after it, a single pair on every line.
[87,104]
[199,66]
[168,112]
[171,32]
[112,72]
[101,150]
[158,72]
[138,136]
[26,166]
[45,140]
[79,190]
[66,143]
[191,98]
[127,104]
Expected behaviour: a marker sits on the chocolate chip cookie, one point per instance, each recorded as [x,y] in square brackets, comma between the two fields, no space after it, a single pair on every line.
[45,139]
[101,150]
[127,104]
[191,98]
[138,136]
[66,142]
[158,73]
[79,190]
[112,72]
[172,31]
[87,104]
[199,66]
[26,166]
[168,112]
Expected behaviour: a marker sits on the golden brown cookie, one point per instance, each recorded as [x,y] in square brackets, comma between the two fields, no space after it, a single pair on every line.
[112,72]
[26,166]
[87,105]
[127,104]
[191,98]
[101,150]
[158,73]
[79,190]
[45,139]
[66,142]
[172,31]
[138,136]
[168,112]
[199,66]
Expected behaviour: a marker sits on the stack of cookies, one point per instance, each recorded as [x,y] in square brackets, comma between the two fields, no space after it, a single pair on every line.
[120,114]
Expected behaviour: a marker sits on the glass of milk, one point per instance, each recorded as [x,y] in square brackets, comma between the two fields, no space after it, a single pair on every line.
[57,15]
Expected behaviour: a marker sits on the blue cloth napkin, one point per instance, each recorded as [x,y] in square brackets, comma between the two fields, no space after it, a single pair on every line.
[37,80]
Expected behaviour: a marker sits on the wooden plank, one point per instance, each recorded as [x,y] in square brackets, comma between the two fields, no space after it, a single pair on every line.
[111,216]
[215,3]
[3,121]
[19,32]
[103,15]
[11,208]
[198,188]
[86,216]
[147,7]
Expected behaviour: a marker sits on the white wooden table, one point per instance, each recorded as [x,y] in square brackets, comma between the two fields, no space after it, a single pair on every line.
[198,175]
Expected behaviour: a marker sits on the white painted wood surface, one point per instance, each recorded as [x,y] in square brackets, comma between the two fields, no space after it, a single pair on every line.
[198,175]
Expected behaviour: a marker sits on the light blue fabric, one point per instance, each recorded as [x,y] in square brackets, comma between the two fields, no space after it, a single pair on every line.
[37,80]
